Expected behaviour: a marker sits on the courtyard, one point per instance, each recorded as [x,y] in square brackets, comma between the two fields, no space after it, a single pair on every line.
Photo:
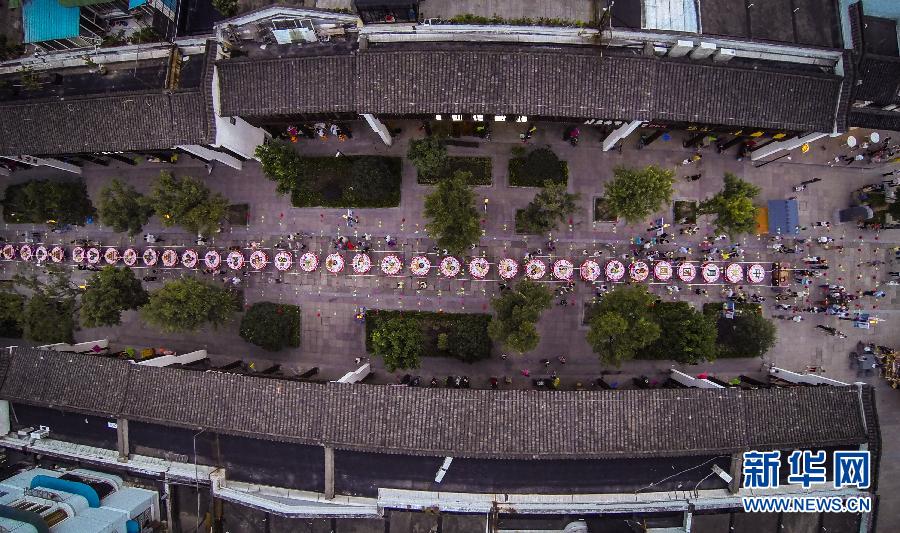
[333,338]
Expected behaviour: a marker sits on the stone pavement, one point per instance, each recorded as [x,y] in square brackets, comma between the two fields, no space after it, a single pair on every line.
[332,337]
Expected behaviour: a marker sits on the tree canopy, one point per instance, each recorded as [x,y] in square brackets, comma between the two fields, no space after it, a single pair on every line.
[633,194]
[398,341]
[49,314]
[47,320]
[623,323]
[686,334]
[271,326]
[188,203]
[516,314]
[42,201]
[733,206]
[187,304]
[11,308]
[428,155]
[452,218]
[551,205]
[228,8]
[748,334]
[108,293]
[123,208]
[280,163]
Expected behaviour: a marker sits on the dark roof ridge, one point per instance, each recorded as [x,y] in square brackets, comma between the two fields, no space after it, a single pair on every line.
[96,96]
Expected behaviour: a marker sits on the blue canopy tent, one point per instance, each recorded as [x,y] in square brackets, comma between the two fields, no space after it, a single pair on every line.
[784,217]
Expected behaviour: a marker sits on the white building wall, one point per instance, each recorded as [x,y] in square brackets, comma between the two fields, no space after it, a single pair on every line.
[241,137]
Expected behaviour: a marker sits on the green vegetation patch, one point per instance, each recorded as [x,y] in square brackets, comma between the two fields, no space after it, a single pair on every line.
[463,336]
[538,166]
[478,168]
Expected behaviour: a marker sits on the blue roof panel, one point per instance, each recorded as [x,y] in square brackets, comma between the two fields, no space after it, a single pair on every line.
[784,217]
[136,3]
[45,20]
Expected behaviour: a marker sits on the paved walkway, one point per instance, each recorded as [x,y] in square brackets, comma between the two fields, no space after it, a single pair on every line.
[332,338]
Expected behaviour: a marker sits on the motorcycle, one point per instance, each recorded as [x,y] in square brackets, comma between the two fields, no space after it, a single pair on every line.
[572,135]
[532,129]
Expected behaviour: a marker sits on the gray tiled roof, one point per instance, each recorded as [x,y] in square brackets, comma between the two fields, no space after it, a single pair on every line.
[542,81]
[694,92]
[880,79]
[874,118]
[66,381]
[320,84]
[434,422]
[546,83]
[139,121]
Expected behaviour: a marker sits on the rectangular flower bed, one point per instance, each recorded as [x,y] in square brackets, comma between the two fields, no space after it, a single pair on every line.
[460,335]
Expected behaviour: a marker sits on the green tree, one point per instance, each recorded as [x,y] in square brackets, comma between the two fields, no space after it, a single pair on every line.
[11,308]
[108,293]
[633,194]
[429,156]
[49,315]
[399,342]
[187,304]
[748,334]
[686,334]
[622,323]
[516,314]
[47,320]
[228,8]
[271,326]
[187,202]
[44,201]
[123,208]
[550,206]
[468,339]
[733,206]
[281,164]
[451,214]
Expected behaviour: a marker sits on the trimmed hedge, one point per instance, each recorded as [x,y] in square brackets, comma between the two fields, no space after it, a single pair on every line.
[466,333]
[537,167]
[479,168]
[271,326]
[348,181]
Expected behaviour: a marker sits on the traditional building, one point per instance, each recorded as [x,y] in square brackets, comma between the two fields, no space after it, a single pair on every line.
[876,52]
[304,449]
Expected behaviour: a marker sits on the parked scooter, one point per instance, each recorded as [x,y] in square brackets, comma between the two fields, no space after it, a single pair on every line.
[529,133]
[572,134]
